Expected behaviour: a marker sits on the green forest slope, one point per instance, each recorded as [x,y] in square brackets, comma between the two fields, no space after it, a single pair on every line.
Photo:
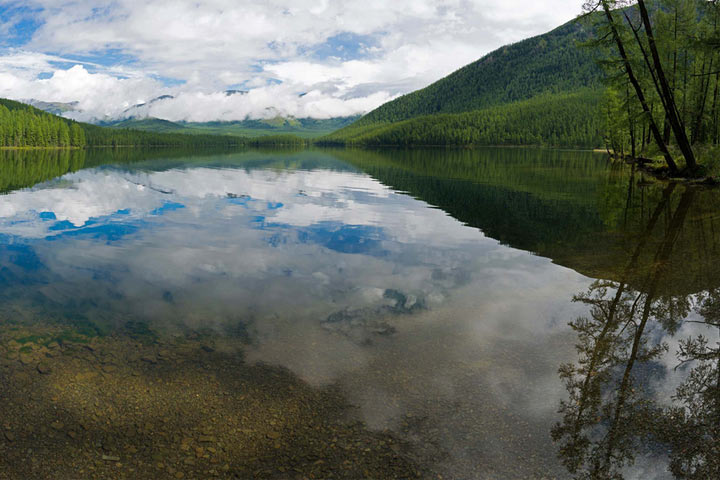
[24,126]
[561,120]
[540,91]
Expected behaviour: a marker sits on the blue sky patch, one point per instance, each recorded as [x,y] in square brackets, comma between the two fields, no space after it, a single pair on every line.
[344,238]
[358,239]
[239,199]
[167,207]
[344,46]
[20,255]
[21,22]
[62,225]
[95,229]
[111,232]
[168,81]
[105,58]
[99,60]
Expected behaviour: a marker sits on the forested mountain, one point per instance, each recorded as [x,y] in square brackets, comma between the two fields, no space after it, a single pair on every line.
[638,80]
[541,91]
[148,125]
[103,136]
[22,125]
[548,63]
[561,120]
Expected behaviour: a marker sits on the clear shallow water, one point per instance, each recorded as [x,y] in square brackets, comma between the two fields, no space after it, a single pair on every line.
[433,289]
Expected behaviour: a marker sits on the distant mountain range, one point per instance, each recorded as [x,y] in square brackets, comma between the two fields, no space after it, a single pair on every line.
[302,127]
[154,100]
[56,108]
[137,118]
[142,109]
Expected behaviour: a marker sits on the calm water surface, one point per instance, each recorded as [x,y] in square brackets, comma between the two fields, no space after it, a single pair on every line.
[502,313]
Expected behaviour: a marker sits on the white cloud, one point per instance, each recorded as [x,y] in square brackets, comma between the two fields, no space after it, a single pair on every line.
[213,45]
[264,102]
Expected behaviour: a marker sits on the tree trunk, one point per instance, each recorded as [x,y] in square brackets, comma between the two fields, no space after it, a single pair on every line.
[716,127]
[666,125]
[642,143]
[649,130]
[695,133]
[631,122]
[667,130]
[638,89]
[666,93]
[682,113]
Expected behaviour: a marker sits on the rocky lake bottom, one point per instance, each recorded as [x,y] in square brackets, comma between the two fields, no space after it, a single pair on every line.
[188,407]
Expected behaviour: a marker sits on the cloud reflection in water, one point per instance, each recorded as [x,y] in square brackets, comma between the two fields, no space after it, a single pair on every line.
[438,333]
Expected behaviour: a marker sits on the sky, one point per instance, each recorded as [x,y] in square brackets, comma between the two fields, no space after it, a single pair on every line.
[298,58]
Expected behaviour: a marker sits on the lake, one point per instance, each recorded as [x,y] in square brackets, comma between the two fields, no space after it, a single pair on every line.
[489,313]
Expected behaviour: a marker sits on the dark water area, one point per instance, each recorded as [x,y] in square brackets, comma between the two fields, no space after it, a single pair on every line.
[491,313]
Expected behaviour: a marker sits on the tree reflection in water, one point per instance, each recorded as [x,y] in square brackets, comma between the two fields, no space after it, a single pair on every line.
[611,415]
[692,428]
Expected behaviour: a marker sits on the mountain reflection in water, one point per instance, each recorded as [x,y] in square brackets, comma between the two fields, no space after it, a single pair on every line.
[434,291]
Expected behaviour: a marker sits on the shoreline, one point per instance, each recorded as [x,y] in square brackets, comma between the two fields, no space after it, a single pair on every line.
[663,174]
[310,145]
[41,148]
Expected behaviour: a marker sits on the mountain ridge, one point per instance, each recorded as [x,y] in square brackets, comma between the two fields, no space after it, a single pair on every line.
[302,127]
[507,86]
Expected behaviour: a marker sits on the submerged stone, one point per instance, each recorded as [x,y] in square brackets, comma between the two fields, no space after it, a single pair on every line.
[44,368]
